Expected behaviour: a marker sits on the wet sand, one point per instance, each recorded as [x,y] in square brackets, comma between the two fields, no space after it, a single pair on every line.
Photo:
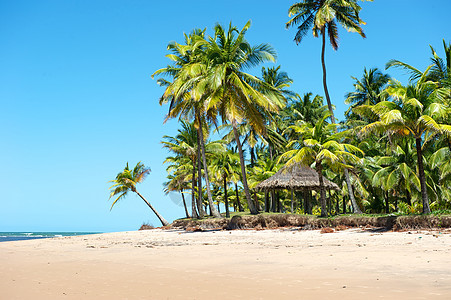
[240,264]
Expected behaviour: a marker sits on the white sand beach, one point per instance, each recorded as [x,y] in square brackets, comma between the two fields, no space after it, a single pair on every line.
[240,264]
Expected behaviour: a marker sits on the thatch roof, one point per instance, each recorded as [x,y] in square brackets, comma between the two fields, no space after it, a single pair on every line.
[296,177]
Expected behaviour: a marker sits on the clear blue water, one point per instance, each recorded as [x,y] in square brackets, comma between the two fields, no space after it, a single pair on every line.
[20,236]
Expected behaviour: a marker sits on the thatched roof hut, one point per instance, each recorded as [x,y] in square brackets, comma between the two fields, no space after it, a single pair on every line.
[295,177]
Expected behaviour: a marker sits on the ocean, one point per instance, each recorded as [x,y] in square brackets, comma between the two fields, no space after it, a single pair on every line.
[20,236]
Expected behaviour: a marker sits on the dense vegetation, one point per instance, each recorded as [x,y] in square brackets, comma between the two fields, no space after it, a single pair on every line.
[391,153]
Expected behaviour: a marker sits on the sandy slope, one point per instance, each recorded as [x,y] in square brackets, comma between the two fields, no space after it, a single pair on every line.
[271,264]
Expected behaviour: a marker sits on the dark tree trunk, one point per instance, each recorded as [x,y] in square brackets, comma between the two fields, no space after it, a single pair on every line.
[322,190]
[184,205]
[252,156]
[200,201]
[251,205]
[273,201]
[226,199]
[337,207]
[266,201]
[323,64]
[193,193]
[355,207]
[387,204]
[257,204]
[329,206]
[408,197]
[240,207]
[160,217]
[424,193]
[306,204]
[214,212]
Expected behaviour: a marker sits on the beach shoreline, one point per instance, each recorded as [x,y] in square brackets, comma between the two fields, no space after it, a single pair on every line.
[239,264]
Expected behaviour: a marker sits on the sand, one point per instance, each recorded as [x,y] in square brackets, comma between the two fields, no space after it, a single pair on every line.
[246,264]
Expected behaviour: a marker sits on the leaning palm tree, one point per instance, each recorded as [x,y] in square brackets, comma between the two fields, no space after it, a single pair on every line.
[126,181]
[234,94]
[322,17]
[321,146]
[411,113]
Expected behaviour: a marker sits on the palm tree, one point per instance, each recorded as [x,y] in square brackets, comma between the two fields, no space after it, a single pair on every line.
[367,91]
[320,146]
[441,69]
[398,172]
[233,93]
[185,145]
[178,179]
[222,169]
[126,181]
[322,17]
[411,112]
[183,93]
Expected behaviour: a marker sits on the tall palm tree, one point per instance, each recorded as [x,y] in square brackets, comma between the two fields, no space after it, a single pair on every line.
[233,93]
[183,93]
[322,147]
[126,181]
[412,112]
[322,17]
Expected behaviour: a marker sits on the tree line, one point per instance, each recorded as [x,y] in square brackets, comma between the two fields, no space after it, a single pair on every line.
[391,153]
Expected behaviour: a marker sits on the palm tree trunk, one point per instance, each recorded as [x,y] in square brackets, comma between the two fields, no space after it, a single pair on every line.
[387,204]
[266,202]
[323,63]
[305,196]
[193,194]
[160,217]
[409,197]
[337,207]
[213,209]
[355,207]
[200,207]
[322,190]
[226,199]
[251,205]
[240,207]
[184,205]
[273,201]
[424,193]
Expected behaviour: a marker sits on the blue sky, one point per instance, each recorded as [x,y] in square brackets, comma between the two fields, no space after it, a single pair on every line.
[77,100]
